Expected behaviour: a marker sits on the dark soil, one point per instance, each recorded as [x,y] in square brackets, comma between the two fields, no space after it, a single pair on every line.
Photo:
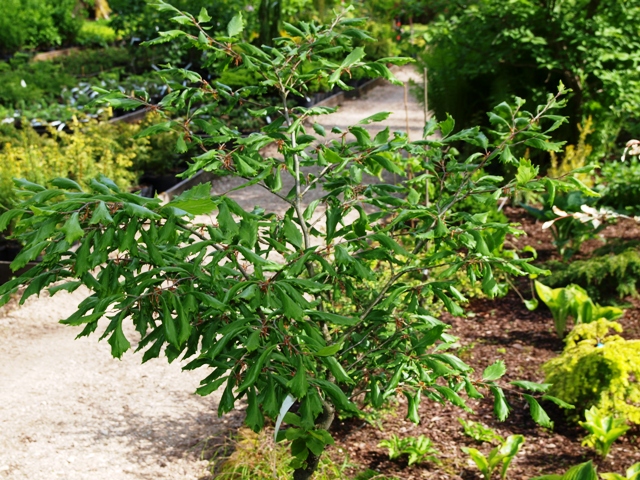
[499,329]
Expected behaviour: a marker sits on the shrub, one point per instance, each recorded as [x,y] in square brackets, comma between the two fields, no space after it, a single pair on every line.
[287,309]
[573,301]
[96,34]
[603,430]
[620,186]
[91,150]
[38,24]
[601,276]
[598,369]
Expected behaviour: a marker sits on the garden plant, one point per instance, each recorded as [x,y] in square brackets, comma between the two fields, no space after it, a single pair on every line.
[322,311]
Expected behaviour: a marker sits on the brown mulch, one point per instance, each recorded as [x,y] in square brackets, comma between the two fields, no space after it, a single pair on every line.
[499,329]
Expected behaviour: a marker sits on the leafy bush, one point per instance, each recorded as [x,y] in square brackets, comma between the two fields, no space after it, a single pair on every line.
[601,275]
[91,150]
[598,369]
[256,456]
[479,432]
[619,186]
[418,449]
[96,34]
[482,53]
[573,301]
[38,24]
[568,232]
[499,457]
[290,308]
[603,430]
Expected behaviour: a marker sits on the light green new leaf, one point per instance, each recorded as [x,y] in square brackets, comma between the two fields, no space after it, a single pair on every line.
[236,25]
[494,372]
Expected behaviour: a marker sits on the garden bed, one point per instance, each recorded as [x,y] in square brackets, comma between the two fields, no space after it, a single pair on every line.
[498,329]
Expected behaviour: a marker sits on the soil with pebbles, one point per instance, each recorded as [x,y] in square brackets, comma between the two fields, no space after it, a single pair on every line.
[70,411]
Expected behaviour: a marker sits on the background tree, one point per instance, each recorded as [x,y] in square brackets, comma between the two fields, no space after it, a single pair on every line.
[485,52]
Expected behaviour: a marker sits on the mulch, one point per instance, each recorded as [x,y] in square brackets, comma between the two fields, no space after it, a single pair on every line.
[498,329]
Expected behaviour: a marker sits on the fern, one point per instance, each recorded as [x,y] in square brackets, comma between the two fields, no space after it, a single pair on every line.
[599,276]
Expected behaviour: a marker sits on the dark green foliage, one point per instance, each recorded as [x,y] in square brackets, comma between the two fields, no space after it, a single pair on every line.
[620,186]
[38,24]
[601,276]
[291,307]
[484,52]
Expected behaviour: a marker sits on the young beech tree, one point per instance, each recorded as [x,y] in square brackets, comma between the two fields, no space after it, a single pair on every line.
[305,308]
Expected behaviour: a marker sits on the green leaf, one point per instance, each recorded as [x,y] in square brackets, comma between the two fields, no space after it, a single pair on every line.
[537,412]
[494,372]
[557,401]
[299,384]
[500,406]
[72,229]
[526,172]
[291,233]
[203,16]
[119,343]
[101,215]
[66,184]
[333,318]
[236,25]
[376,117]
[329,350]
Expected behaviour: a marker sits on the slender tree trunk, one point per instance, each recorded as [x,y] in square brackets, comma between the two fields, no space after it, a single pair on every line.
[269,14]
[323,422]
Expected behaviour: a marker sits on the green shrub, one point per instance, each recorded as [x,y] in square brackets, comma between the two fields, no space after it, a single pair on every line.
[480,432]
[601,276]
[598,369]
[93,61]
[620,186]
[38,24]
[603,430]
[96,34]
[499,458]
[256,456]
[417,449]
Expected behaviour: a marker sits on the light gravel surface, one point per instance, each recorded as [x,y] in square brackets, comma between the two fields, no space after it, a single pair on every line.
[70,411]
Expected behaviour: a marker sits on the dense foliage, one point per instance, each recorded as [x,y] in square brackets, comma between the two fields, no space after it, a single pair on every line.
[598,369]
[485,51]
[332,305]
[38,24]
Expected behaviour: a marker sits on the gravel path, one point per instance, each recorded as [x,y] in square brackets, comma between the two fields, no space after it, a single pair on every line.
[69,411]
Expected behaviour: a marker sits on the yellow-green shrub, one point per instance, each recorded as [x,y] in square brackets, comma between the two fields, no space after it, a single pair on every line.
[598,369]
[90,150]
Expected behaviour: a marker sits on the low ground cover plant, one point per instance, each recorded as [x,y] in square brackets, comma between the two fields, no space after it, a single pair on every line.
[417,449]
[603,430]
[499,458]
[573,301]
[479,432]
[292,309]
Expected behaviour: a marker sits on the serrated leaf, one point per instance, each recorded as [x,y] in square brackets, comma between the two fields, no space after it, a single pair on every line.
[537,412]
[236,25]
[500,406]
[203,16]
[101,215]
[72,229]
[494,372]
